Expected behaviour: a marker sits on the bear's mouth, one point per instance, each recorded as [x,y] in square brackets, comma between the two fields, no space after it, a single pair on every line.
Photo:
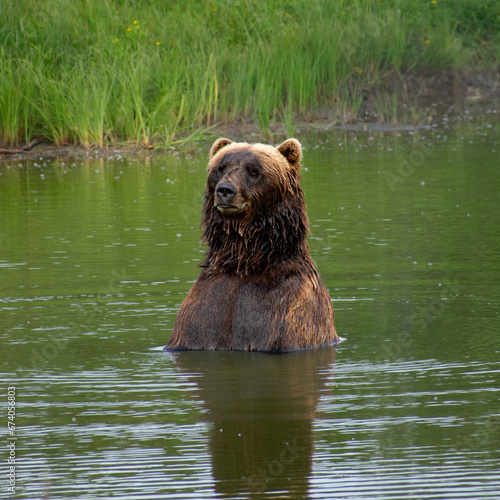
[227,209]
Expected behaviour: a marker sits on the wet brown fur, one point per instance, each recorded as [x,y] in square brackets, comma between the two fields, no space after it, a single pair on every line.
[259,289]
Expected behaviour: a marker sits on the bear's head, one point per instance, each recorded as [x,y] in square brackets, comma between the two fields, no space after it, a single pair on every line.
[246,180]
[254,214]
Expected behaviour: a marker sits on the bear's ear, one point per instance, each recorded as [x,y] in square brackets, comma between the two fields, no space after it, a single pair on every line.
[292,151]
[218,145]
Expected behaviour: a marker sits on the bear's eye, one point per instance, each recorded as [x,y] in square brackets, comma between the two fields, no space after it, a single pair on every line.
[221,168]
[253,171]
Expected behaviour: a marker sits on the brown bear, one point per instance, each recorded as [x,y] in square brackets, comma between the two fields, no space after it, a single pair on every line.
[259,289]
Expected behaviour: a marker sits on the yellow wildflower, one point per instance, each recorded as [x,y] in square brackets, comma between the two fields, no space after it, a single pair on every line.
[135,22]
[129,29]
[158,43]
[427,41]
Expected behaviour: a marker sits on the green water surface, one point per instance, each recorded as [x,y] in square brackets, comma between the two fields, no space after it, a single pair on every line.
[98,251]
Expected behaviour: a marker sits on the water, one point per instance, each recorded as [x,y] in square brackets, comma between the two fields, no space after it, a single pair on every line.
[98,252]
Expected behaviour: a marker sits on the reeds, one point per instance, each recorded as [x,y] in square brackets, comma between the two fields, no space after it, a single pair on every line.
[146,73]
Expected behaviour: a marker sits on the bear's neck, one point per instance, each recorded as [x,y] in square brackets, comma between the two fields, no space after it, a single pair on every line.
[269,244]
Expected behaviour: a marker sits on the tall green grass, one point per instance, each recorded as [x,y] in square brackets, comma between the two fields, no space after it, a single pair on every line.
[153,72]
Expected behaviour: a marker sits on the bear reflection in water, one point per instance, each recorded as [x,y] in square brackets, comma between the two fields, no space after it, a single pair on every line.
[261,410]
[259,289]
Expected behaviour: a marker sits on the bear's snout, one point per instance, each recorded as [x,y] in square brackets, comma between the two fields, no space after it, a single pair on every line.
[225,191]
[228,199]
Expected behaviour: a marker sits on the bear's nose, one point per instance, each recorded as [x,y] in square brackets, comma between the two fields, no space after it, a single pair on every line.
[225,191]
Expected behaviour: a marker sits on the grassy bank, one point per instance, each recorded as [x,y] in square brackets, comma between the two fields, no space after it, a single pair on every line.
[153,72]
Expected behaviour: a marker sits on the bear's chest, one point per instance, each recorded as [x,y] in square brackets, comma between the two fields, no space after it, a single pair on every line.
[229,312]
